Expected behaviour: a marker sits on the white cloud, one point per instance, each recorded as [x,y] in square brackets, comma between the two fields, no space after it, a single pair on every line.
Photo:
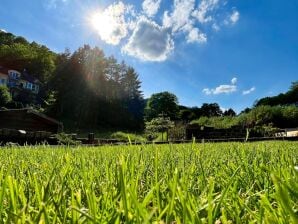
[180,20]
[220,89]
[225,88]
[215,27]
[141,36]
[196,36]
[235,17]
[149,42]
[245,92]
[204,8]
[110,24]
[180,17]
[3,30]
[207,91]
[151,7]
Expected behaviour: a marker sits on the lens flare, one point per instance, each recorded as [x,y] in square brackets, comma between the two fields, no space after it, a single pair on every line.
[104,25]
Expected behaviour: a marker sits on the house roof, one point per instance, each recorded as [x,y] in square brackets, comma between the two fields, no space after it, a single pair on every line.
[25,74]
[32,111]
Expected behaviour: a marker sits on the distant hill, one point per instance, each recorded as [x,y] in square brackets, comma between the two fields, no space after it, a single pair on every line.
[288,98]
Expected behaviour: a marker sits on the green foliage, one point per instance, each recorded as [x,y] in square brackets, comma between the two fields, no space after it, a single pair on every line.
[177,132]
[158,125]
[65,139]
[217,122]
[164,103]
[211,110]
[95,91]
[160,136]
[191,183]
[288,98]
[188,114]
[266,130]
[278,116]
[260,118]
[19,54]
[229,112]
[125,136]
[5,96]
[83,87]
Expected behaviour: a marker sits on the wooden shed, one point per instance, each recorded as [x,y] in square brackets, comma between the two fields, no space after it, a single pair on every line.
[28,120]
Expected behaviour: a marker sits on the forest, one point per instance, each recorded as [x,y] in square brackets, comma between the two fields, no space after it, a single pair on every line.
[86,89]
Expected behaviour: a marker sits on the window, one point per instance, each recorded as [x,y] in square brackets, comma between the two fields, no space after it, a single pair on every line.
[2,81]
[14,75]
[29,85]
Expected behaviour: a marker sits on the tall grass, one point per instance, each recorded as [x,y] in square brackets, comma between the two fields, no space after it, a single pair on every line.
[191,183]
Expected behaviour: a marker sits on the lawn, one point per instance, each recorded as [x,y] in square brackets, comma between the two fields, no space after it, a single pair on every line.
[191,183]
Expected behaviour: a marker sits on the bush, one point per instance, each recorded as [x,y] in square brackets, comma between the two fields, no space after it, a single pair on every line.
[5,96]
[274,116]
[119,135]
[217,122]
[178,132]
[65,139]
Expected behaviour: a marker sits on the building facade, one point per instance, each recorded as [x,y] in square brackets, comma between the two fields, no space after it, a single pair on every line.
[22,86]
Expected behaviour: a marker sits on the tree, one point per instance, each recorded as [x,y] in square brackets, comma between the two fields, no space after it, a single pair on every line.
[189,113]
[92,90]
[230,112]
[162,103]
[245,111]
[211,110]
[5,96]
[133,97]
[38,60]
[288,98]
[159,124]
[186,115]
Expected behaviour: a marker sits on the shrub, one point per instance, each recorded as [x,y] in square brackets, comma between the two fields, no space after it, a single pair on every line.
[119,135]
[5,96]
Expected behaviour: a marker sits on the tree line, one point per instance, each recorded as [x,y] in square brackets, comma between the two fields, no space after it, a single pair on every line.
[86,89]
[92,90]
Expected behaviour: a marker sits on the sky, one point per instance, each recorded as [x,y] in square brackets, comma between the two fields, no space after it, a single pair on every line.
[231,52]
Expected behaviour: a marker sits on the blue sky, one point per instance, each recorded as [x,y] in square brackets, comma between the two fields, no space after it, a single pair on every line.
[227,51]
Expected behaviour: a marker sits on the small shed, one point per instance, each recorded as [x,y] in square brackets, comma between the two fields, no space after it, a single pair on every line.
[28,120]
[291,132]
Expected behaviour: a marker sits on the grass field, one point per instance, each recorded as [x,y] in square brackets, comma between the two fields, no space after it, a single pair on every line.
[192,183]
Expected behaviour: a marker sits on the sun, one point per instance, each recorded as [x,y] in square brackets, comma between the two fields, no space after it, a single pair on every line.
[103,24]
[110,24]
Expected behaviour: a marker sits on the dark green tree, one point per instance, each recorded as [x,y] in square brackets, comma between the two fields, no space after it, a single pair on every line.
[96,91]
[5,96]
[164,103]
[133,97]
[229,112]
[288,98]
[211,110]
